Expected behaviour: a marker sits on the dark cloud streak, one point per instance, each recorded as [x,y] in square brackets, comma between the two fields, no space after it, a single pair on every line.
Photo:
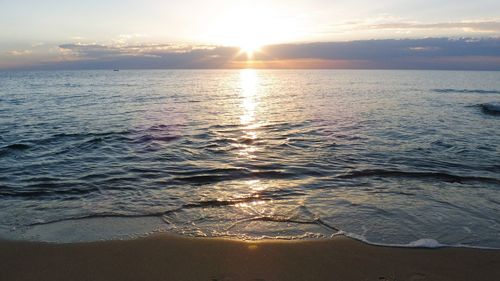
[376,50]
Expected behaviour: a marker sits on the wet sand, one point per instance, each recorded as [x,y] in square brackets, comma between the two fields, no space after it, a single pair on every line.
[166,257]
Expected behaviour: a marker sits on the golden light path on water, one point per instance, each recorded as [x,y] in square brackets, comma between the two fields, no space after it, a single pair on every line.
[250,94]
[255,205]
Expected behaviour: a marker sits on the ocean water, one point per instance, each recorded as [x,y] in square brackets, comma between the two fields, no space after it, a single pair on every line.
[388,157]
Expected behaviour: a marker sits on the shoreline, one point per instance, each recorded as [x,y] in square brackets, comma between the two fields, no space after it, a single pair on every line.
[172,257]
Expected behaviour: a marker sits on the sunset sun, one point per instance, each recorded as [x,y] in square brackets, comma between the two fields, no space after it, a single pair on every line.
[250,29]
[250,48]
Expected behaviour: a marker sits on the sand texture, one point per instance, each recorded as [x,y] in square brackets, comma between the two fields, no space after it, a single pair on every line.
[166,257]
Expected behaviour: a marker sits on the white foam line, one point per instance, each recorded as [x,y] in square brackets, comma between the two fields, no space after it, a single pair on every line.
[423,243]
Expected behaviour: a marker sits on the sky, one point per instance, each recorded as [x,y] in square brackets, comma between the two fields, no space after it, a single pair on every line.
[222,33]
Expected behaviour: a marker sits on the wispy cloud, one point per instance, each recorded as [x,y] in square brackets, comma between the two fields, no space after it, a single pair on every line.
[19,52]
[96,51]
[389,22]
[467,26]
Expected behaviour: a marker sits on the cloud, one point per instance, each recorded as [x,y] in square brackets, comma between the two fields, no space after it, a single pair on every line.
[95,51]
[389,49]
[37,44]
[19,52]
[386,22]
[467,26]
[143,56]
[428,53]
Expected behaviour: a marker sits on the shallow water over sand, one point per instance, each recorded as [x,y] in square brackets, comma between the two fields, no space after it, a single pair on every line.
[389,157]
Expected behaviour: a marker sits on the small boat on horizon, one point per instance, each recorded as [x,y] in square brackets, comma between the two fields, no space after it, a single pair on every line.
[116,69]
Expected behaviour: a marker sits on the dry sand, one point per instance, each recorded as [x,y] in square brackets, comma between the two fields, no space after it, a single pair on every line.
[166,257]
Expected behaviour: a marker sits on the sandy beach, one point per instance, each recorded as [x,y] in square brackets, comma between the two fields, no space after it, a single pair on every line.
[166,257]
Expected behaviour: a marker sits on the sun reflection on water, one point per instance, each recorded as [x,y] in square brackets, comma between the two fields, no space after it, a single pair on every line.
[248,80]
[249,92]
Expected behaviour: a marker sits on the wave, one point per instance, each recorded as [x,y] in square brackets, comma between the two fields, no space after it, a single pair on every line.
[211,176]
[87,140]
[94,216]
[419,243]
[170,218]
[256,197]
[467,91]
[151,138]
[419,175]
[89,134]
[284,219]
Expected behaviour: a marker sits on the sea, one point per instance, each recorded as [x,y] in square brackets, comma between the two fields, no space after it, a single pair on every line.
[389,157]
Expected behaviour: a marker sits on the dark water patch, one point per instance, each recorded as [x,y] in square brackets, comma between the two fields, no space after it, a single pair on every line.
[46,191]
[148,99]
[16,101]
[189,171]
[83,137]
[441,144]
[397,193]
[93,177]
[16,146]
[160,127]
[90,134]
[137,170]
[13,148]
[110,181]
[206,179]
[277,126]
[152,138]
[467,91]
[201,136]
[492,108]
[90,142]
[51,187]
[41,179]
[419,175]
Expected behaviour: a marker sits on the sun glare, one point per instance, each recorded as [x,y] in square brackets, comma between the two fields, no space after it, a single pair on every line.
[249,49]
[250,28]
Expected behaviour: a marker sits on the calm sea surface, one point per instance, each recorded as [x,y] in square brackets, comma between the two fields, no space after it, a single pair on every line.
[389,157]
